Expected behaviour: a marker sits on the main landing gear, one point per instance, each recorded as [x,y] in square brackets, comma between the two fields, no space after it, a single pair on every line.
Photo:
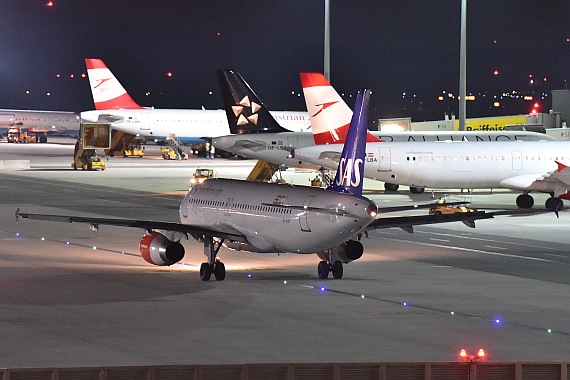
[392,187]
[554,204]
[330,266]
[214,265]
[526,201]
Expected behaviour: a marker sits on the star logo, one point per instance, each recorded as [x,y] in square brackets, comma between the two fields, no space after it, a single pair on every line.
[246,111]
[323,106]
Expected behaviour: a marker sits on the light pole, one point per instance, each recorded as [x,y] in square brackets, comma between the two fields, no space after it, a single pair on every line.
[327,58]
[463,67]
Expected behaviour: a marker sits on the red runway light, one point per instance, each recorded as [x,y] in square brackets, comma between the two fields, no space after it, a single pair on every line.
[481,354]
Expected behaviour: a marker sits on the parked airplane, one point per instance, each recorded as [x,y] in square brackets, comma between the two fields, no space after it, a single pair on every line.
[113,104]
[267,217]
[267,140]
[41,123]
[519,165]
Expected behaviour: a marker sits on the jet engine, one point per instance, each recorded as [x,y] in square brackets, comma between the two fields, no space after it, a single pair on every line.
[347,252]
[156,249]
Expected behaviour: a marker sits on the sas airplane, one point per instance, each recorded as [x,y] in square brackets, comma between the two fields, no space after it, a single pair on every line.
[41,123]
[519,165]
[273,218]
[267,140]
[114,105]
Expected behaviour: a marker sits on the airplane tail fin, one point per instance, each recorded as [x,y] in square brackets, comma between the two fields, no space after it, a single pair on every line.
[350,172]
[245,112]
[107,92]
[330,115]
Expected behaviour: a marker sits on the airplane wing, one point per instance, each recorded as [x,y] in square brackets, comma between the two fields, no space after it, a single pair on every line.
[252,145]
[560,174]
[223,232]
[407,223]
[330,155]
[108,118]
[389,209]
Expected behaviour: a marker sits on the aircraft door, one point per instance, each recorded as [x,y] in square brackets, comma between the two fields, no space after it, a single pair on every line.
[517,159]
[384,159]
[292,142]
[303,217]
[145,123]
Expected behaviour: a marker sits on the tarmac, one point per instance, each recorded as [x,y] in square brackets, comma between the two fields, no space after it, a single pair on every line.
[70,296]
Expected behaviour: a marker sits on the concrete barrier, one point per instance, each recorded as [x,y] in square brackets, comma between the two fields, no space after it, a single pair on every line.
[14,164]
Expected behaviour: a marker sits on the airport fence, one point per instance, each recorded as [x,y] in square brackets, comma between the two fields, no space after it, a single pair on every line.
[352,371]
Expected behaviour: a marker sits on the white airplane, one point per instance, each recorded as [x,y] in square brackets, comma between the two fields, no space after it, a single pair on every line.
[267,140]
[518,165]
[114,105]
[41,123]
[265,217]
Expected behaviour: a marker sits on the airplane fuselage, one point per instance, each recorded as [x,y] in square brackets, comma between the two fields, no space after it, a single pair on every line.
[40,121]
[277,217]
[518,165]
[185,125]
[276,147]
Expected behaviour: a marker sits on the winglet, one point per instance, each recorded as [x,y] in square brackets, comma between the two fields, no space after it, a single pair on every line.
[561,166]
[330,115]
[350,172]
[107,91]
[245,112]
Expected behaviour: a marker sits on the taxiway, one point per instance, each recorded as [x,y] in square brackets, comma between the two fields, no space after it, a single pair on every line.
[73,297]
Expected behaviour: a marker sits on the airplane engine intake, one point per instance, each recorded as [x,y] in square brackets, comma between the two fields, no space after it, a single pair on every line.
[156,249]
[349,251]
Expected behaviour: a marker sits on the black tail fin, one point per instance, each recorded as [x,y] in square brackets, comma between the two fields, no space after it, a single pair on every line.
[245,112]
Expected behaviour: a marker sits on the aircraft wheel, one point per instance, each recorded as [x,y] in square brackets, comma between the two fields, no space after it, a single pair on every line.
[525,201]
[416,190]
[205,271]
[554,204]
[390,186]
[337,270]
[323,270]
[220,271]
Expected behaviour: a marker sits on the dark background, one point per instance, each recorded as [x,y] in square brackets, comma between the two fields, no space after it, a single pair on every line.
[395,47]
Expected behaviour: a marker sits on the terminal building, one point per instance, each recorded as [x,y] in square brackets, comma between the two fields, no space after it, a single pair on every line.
[553,123]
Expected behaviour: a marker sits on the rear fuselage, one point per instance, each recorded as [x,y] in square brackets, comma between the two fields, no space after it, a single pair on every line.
[277,217]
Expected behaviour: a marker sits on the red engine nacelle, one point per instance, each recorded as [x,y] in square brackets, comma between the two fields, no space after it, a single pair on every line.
[156,249]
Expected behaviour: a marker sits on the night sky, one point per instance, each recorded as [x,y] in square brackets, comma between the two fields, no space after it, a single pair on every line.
[395,47]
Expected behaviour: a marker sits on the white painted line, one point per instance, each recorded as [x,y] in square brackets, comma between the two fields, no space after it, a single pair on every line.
[477,251]
[493,247]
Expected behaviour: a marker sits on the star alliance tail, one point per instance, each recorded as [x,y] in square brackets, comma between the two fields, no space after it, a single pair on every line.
[245,112]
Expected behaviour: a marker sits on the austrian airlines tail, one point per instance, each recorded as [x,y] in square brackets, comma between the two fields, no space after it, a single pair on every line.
[330,115]
[108,93]
[349,176]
